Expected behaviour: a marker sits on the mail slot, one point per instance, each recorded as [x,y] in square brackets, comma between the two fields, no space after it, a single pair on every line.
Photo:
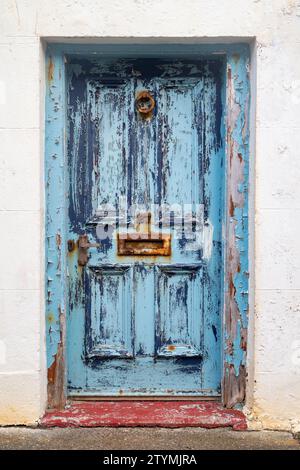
[143,245]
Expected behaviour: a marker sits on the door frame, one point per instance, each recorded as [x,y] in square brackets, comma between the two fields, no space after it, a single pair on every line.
[236,58]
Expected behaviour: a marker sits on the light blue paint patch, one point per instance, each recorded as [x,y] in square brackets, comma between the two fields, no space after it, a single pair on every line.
[55,205]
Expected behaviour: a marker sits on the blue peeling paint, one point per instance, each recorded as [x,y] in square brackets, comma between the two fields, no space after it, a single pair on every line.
[55,205]
[87,372]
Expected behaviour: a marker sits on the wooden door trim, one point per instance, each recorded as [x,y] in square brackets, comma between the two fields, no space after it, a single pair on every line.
[236,173]
[75,398]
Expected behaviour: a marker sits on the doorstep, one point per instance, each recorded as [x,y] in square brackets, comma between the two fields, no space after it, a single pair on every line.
[170,414]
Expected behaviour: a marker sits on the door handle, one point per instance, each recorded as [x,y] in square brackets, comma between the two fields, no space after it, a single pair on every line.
[83,246]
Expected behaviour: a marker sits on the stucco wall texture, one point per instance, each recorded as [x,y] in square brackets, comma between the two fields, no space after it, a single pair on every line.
[273,30]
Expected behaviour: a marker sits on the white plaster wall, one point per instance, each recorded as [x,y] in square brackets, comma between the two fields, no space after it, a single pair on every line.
[274,356]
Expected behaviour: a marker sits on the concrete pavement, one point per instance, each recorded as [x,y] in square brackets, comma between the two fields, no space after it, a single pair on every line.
[143,439]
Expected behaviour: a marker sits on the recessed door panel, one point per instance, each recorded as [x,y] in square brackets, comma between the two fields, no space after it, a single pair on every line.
[108,314]
[179,311]
[145,166]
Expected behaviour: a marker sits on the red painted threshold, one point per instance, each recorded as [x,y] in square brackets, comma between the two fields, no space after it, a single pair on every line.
[172,414]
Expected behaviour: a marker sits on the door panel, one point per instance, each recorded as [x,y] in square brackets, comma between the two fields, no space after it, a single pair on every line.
[144,321]
[108,314]
[179,141]
[107,107]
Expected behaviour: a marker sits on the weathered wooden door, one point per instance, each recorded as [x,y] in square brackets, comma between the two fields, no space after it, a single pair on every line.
[145,159]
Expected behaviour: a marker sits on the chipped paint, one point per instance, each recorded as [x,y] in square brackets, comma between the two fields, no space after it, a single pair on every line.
[50,70]
[234,385]
[56,372]
[174,414]
[55,241]
[236,288]
[207,240]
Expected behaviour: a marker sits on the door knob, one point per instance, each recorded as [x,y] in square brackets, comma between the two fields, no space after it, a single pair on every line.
[83,246]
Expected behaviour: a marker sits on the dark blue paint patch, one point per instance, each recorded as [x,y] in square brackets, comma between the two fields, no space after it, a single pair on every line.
[215,332]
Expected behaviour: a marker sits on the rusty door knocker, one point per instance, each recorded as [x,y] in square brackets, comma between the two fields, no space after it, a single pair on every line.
[144,103]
